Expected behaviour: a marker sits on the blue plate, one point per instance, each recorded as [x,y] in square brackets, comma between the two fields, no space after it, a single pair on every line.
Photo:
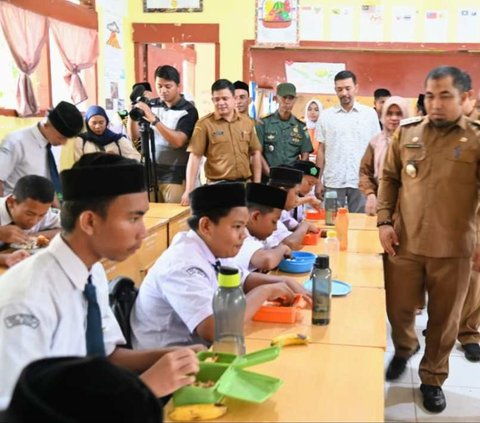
[339,288]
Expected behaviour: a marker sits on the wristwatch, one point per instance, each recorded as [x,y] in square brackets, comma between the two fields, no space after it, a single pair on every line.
[155,121]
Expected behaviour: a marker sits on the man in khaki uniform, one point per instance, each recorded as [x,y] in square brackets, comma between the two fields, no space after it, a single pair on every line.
[227,139]
[431,176]
[468,334]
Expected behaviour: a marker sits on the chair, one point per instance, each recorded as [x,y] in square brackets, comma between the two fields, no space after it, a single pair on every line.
[122,295]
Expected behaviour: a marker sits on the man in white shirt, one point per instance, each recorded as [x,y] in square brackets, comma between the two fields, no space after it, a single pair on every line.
[56,303]
[344,133]
[27,212]
[29,150]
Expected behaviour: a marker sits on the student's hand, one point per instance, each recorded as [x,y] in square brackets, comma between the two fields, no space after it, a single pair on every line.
[16,257]
[279,290]
[298,288]
[312,228]
[13,234]
[371,205]
[287,251]
[198,347]
[314,202]
[174,370]
[185,201]
[389,239]
[319,191]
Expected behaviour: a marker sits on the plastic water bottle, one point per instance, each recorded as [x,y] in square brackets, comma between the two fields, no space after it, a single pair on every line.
[342,228]
[330,207]
[321,291]
[332,249]
[229,312]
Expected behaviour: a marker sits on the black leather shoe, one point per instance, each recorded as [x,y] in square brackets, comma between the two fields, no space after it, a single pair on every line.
[397,366]
[433,398]
[472,352]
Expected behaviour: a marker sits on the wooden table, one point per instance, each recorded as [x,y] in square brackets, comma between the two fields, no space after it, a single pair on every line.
[356,319]
[176,214]
[321,383]
[356,221]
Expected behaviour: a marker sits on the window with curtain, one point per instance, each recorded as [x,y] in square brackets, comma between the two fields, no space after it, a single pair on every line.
[47,81]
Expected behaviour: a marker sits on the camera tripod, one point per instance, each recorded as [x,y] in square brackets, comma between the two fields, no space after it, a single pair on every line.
[148,150]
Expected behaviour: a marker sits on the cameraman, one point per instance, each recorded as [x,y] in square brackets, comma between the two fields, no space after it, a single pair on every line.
[172,121]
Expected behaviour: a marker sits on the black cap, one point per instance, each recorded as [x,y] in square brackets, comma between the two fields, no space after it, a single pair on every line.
[240,85]
[322,261]
[78,389]
[217,196]
[66,119]
[266,195]
[102,175]
[307,167]
[285,176]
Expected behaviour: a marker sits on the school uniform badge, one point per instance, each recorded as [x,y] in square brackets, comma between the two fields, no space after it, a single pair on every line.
[21,319]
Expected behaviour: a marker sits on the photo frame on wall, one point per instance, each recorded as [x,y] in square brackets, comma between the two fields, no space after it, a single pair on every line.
[277,23]
[178,6]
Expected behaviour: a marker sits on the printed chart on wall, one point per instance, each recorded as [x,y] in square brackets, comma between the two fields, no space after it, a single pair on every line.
[172,6]
[311,22]
[277,22]
[310,77]
[114,74]
[341,23]
[403,24]
[371,23]
[468,26]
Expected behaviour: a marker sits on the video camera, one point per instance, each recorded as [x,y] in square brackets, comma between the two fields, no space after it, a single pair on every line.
[136,96]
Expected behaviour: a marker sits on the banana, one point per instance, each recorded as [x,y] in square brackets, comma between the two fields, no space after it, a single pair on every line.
[193,412]
[290,339]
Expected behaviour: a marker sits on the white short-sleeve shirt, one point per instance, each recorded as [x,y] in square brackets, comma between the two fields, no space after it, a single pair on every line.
[43,311]
[176,295]
[278,235]
[346,136]
[50,221]
[22,153]
[250,245]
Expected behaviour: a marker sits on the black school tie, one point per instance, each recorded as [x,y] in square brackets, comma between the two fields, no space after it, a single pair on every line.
[94,333]
[52,167]
[216,266]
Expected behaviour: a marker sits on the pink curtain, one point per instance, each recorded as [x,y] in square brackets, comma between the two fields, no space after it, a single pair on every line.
[26,33]
[79,50]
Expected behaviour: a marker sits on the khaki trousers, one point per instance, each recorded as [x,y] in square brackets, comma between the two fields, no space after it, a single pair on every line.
[470,318]
[446,282]
[169,193]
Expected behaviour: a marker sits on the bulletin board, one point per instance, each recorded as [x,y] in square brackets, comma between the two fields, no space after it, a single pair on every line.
[400,67]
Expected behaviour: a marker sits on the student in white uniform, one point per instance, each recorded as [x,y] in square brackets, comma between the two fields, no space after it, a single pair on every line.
[56,303]
[306,194]
[288,179]
[26,212]
[174,305]
[265,205]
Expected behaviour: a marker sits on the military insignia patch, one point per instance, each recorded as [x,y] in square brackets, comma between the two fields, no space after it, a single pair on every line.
[21,319]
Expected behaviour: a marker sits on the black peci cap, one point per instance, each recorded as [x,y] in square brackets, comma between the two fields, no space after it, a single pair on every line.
[285,176]
[217,196]
[307,167]
[266,195]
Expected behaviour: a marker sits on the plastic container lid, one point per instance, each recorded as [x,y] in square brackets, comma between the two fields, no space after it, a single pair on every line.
[331,234]
[228,277]
[342,210]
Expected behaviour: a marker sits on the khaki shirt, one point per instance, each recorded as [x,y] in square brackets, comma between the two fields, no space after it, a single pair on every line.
[437,193]
[226,145]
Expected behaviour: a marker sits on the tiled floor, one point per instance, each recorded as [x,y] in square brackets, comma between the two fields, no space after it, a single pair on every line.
[403,400]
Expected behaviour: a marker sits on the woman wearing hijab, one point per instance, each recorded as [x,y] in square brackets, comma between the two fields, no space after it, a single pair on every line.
[313,108]
[394,110]
[99,138]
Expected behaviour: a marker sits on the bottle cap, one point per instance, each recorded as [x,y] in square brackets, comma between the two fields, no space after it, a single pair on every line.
[322,261]
[331,194]
[228,277]
[342,210]
[331,234]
